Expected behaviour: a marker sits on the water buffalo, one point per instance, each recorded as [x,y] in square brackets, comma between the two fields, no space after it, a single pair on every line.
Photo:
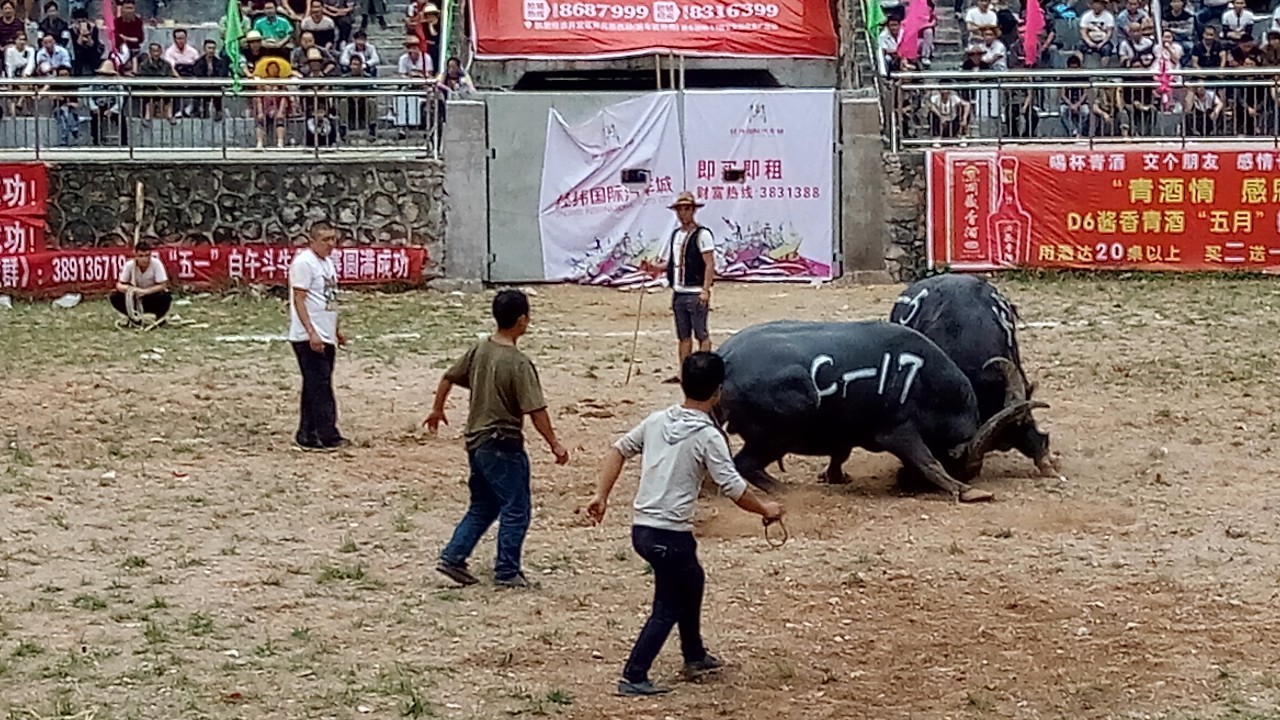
[976,326]
[824,388]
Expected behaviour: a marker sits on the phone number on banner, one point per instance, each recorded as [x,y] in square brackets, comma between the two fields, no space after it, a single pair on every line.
[661,12]
[78,269]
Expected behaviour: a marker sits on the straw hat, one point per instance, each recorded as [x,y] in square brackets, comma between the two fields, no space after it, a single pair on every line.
[430,9]
[260,70]
[108,68]
[315,54]
[252,35]
[685,198]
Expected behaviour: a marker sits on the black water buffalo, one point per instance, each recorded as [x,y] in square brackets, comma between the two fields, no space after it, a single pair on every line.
[813,388]
[976,326]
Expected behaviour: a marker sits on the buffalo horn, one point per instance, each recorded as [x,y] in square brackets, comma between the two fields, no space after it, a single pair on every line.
[1015,387]
[983,439]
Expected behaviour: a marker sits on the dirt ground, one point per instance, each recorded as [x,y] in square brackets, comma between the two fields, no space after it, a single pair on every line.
[165,553]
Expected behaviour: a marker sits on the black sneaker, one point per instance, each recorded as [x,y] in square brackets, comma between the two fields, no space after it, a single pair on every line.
[457,573]
[516,581]
[644,688]
[310,447]
[709,663]
[339,444]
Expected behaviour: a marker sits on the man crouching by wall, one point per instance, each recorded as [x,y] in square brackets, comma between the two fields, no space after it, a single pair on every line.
[142,288]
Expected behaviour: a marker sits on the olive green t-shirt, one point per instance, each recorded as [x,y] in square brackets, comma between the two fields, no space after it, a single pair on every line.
[504,388]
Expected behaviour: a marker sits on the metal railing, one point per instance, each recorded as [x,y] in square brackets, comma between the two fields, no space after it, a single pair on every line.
[103,117]
[1083,106]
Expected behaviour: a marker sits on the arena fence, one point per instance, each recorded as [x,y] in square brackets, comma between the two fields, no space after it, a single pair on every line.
[1086,107]
[194,119]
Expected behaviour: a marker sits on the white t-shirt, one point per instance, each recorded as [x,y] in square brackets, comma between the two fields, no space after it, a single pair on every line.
[407,65]
[889,42]
[996,55]
[1232,20]
[975,16]
[320,279]
[1097,27]
[706,243]
[948,109]
[152,276]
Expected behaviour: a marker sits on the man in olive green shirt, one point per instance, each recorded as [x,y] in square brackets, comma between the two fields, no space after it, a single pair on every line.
[504,388]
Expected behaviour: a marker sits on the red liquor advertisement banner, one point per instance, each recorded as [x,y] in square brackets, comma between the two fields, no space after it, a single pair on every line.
[540,29]
[202,267]
[1199,208]
[24,189]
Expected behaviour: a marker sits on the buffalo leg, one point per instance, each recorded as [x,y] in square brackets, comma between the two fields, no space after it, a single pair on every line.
[751,464]
[835,470]
[910,448]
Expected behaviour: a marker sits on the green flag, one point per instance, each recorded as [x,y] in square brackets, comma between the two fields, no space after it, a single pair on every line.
[232,33]
[873,14]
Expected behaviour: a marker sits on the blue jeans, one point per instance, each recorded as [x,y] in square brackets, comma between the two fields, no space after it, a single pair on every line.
[499,487]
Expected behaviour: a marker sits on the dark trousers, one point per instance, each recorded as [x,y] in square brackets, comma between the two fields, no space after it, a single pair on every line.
[499,486]
[318,426]
[678,581]
[157,304]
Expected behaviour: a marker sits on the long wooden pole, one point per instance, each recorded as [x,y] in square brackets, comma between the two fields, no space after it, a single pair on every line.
[635,335]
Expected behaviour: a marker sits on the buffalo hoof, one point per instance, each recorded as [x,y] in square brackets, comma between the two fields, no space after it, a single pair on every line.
[839,479]
[975,495]
[1050,465]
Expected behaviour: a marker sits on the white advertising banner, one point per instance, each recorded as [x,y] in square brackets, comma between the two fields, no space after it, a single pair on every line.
[600,225]
[772,215]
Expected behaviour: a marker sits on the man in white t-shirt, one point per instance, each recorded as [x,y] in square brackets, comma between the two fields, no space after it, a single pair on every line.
[979,18]
[314,334]
[691,271]
[1097,31]
[1237,22]
[142,288]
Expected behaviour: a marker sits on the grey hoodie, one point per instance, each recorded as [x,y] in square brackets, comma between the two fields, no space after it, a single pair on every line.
[680,446]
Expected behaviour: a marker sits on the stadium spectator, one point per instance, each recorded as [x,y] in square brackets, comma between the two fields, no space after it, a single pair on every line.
[11,26]
[66,114]
[1139,102]
[414,63]
[1183,26]
[52,55]
[315,65]
[53,24]
[295,10]
[376,9]
[321,126]
[410,109]
[153,65]
[1209,53]
[948,114]
[1073,105]
[1138,48]
[321,27]
[927,36]
[1247,50]
[366,51]
[343,14]
[1211,12]
[252,52]
[182,56]
[142,288]
[1097,32]
[86,49]
[995,56]
[890,38]
[1109,120]
[1271,53]
[1133,14]
[247,18]
[1249,106]
[271,111]
[307,43]
[424,17]
[456,82]
[360,111]
[1202,111]
[275,31]
[19,58]
[106,98]
[210,65]
[129,31]
[1237,23]
[1169,56]
[1023,118]
[980,17]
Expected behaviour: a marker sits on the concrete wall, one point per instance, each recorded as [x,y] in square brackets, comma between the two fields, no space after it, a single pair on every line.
[385,203]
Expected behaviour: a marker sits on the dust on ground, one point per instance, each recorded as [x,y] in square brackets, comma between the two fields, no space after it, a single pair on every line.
[165,553]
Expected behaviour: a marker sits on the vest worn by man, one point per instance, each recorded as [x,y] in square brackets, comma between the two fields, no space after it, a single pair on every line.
[693,269]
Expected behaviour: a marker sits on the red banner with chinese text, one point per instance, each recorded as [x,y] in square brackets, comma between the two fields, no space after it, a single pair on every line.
[1127,208]
[202,267]
[533,29]
[24,190]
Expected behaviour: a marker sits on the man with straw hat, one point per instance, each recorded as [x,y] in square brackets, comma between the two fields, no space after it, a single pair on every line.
[690,272]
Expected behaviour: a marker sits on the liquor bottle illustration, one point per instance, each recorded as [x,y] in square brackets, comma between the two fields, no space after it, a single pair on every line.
[1009,225]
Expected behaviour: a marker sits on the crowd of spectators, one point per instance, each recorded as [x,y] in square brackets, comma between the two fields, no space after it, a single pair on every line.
[1111,34]
[279,41]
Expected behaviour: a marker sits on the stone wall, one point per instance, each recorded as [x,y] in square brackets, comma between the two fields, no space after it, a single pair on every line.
[905,208]
[92,204]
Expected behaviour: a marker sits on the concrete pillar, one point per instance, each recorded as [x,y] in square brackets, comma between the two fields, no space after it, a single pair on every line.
[466,184]
[862,211]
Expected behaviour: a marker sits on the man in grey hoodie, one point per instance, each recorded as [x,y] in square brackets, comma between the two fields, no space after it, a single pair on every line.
[681,445]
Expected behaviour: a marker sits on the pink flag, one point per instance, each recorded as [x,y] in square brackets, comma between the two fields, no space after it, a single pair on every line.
[916,19]
[109,25]
[1031,33]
